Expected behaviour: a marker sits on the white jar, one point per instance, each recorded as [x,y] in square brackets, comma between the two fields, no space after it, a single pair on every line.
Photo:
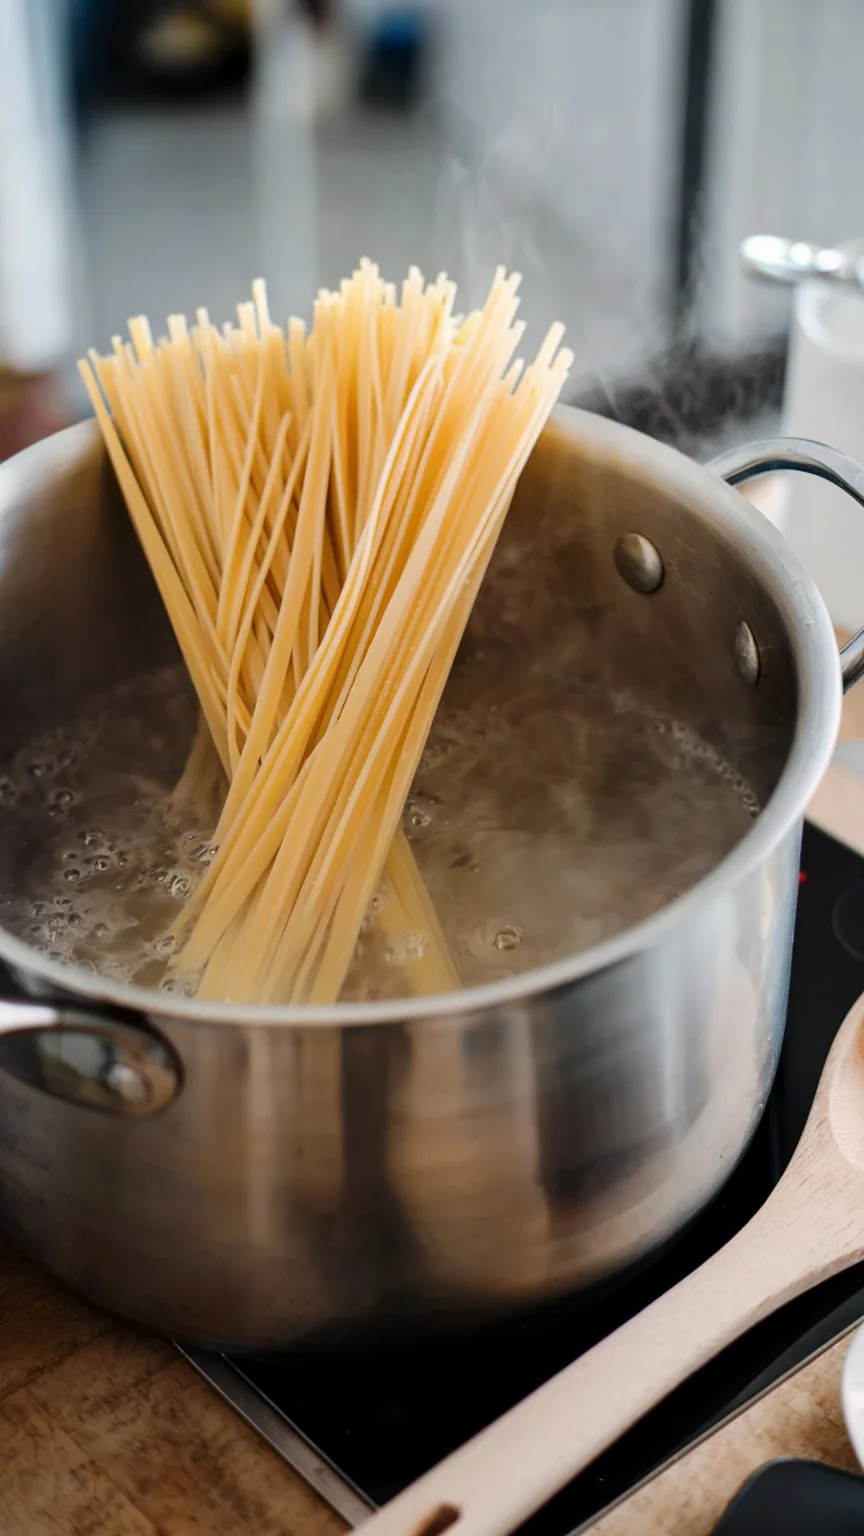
[824,399]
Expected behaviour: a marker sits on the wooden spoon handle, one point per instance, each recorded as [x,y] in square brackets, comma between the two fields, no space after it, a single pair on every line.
[495,1481]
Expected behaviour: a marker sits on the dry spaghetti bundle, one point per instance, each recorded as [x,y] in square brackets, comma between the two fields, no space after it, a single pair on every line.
[318,511]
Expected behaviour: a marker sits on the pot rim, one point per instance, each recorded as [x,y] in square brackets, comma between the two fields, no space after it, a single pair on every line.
[818,717]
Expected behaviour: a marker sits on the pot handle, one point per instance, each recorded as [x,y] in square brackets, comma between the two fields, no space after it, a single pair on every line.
[94,1060]
[740,464]
[789,261]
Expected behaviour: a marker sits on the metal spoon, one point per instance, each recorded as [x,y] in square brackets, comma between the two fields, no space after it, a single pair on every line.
[811,1227]
[788,261]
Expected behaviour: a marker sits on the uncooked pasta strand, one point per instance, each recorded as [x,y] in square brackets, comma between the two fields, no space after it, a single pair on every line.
[311,896]
[318,510]
[171,588]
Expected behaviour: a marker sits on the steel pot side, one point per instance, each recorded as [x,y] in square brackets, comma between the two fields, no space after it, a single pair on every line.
[251,1178]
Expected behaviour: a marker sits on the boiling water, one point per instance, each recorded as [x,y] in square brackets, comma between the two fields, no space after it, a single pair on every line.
[540,828]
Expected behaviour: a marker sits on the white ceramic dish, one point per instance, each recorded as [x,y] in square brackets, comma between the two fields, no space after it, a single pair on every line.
[853,1393]
[824,399]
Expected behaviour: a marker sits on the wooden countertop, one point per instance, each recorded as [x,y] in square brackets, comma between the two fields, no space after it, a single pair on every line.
[800,1417]
[105,1432]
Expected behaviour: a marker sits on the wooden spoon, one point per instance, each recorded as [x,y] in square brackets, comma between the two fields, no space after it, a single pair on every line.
[811,1227]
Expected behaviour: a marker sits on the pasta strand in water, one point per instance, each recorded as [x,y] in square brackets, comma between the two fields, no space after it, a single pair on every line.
[318,510]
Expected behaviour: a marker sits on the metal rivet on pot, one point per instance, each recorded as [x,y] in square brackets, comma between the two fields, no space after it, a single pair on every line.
[747,654]
[639,562]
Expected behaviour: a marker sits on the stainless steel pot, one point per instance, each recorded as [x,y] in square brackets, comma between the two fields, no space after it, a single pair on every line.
[255,1177]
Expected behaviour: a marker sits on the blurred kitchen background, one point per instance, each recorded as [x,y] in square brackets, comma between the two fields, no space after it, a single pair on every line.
[155,155]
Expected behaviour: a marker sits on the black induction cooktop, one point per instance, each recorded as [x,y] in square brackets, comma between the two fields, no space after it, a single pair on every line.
[361,1427]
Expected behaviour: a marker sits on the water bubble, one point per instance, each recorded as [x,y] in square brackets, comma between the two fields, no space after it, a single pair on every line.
[497,935]
[554,749]
[406,948]
[438,750]
[509,936]
[115,970]
[63,797]
[166,945]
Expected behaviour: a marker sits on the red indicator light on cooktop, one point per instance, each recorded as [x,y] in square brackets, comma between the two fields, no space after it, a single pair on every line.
[802,877]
